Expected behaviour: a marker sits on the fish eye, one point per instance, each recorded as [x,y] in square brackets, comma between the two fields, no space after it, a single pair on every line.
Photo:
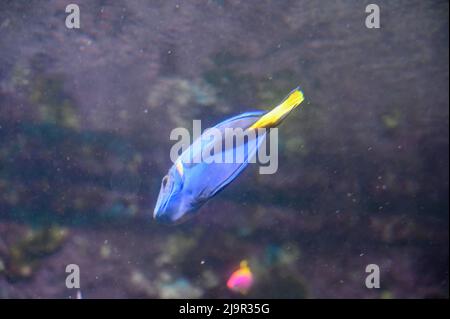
[164,181]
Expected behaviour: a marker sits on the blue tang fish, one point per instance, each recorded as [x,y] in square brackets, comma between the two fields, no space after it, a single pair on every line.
[187,186]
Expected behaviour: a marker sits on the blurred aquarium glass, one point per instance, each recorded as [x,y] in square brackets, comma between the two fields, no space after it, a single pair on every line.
[363,177]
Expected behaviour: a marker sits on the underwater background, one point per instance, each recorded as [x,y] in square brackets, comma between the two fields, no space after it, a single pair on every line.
[363,177]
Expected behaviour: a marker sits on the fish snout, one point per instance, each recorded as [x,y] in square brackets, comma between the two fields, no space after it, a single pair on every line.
[163,219]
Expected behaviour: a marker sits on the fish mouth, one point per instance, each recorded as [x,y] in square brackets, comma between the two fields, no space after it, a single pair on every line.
[169,215]
[160,206]
[166,219]
[160,213]
[163,219]
[173,209]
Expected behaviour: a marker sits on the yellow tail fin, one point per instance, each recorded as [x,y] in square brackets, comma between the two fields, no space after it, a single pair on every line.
[274,117]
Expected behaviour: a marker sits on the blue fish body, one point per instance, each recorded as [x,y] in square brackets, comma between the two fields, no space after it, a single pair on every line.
[189,184]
